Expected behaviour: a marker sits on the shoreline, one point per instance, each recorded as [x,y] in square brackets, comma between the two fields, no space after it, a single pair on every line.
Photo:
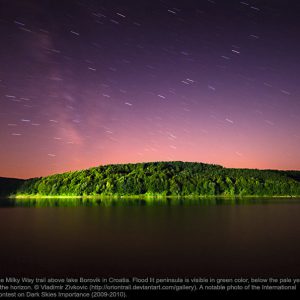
[143,196]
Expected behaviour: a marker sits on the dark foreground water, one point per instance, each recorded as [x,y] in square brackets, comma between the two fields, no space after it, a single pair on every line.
[203,238]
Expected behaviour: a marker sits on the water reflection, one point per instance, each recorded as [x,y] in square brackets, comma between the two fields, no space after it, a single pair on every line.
[123,201]
[160,237]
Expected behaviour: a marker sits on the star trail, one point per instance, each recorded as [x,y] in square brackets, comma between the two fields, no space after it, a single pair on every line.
[87,83]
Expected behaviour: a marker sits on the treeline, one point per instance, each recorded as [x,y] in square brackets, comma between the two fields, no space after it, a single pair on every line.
[165,179]
[9,185]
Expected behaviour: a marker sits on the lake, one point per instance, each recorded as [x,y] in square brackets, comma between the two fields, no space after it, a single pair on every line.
[209,237]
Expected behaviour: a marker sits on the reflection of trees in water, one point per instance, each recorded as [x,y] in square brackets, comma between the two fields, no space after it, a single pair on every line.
[167,201]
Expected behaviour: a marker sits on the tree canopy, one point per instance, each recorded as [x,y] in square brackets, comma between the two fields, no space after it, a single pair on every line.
[165,179]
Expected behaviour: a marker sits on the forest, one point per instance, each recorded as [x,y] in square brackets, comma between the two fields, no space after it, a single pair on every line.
[9,185]
[162,179]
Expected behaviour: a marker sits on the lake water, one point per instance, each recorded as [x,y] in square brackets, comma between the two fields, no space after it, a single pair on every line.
[213,237]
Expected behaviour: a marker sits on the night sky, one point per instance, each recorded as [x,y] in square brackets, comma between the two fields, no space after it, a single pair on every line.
[87,83]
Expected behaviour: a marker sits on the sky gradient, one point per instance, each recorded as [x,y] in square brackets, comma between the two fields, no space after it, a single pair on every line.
[87,83]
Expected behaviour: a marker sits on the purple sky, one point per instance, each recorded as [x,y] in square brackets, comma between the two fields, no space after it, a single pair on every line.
[84,83]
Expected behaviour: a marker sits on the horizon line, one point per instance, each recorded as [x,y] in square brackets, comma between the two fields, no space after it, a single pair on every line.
[149,162]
